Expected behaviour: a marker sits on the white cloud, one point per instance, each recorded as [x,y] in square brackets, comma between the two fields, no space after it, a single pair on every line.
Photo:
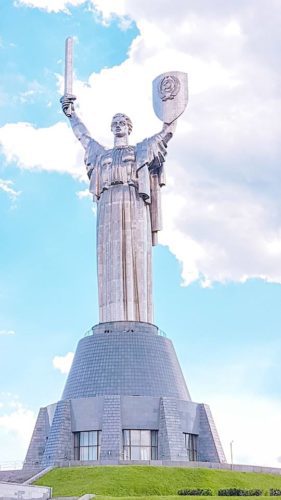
[107,10]
[6,186]
[252,423]
[19,421]
[33,89]
[63,363]
[222,205]
[16,427]
[238,388]
[104,10]
[84,193]
[42,149]
[244,402]
[50,5]
[5,333]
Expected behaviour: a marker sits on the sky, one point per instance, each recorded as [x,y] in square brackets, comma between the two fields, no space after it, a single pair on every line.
[217,270]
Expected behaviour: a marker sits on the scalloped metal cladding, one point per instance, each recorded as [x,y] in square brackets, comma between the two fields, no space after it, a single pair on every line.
[168,87]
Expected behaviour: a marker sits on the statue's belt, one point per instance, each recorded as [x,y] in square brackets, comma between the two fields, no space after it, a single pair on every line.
[118,183]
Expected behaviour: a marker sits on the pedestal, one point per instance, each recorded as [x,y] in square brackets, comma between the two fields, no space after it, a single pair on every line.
[125,401]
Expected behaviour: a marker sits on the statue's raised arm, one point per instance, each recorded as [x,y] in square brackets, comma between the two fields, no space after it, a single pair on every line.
[92,147]
[80,130]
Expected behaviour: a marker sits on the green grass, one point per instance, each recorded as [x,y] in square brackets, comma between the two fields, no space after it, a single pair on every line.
[146,481]
[177,497]
[157,497]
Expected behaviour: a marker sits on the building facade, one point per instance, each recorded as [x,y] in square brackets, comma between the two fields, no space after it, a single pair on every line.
[125,401]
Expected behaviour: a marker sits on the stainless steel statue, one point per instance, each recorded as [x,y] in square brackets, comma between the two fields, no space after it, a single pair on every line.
[125,182]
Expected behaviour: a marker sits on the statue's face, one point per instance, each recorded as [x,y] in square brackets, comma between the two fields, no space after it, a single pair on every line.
[119,126]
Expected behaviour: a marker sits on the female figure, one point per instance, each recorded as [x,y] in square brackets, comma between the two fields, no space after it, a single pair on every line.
[125,182]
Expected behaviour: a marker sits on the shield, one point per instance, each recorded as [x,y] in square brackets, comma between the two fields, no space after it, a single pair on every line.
[170,95]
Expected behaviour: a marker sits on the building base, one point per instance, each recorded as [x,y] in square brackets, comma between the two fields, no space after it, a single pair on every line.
[125,400]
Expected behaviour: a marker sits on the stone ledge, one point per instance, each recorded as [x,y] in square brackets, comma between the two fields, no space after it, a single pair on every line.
[174,463]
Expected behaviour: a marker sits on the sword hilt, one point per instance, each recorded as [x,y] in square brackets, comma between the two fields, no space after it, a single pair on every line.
[70,97]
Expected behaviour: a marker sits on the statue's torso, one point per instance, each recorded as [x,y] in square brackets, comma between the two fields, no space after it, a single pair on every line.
[117,166]
[128,165]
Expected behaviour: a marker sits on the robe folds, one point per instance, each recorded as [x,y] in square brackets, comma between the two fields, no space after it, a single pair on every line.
[125,183]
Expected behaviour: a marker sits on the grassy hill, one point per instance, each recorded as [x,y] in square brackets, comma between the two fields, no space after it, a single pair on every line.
[149,482]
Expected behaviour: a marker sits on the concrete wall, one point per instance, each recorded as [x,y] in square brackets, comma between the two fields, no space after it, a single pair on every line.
[110,414]
[86,414]
[17,476]
[177,463]
[140,412]
[20,491]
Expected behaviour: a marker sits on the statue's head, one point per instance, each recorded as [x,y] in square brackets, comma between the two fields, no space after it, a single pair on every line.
[121,125]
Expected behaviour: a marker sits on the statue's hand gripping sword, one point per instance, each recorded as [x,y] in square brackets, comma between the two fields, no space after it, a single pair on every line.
[68,98]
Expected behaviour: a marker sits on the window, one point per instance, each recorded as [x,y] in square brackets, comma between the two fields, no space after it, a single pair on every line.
[190,444]
[87,445]
[140,445]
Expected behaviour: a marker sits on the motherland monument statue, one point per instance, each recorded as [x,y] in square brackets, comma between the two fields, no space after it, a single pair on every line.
[125,182]
[125,399]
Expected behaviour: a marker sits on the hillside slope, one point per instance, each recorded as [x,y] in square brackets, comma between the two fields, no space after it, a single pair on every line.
[148,481]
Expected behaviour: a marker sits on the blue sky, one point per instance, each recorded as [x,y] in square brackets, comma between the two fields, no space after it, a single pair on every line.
[217,272]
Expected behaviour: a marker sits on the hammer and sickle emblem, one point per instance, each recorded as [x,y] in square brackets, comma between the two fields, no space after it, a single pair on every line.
[169,87]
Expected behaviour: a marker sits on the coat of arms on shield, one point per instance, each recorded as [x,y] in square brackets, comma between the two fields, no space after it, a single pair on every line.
[170,95]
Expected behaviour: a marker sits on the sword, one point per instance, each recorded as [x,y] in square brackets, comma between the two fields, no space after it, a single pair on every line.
[68,71]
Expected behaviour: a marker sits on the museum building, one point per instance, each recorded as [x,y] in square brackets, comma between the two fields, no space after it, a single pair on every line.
[125,401]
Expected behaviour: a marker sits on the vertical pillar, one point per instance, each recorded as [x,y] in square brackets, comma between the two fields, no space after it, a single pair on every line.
[59,445]
[209,445]
[171,442]
[38,440]
[111,438]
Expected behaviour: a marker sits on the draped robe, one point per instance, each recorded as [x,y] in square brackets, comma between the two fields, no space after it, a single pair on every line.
[125,183]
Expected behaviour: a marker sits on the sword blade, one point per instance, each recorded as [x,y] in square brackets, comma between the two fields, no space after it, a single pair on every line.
[68,71]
